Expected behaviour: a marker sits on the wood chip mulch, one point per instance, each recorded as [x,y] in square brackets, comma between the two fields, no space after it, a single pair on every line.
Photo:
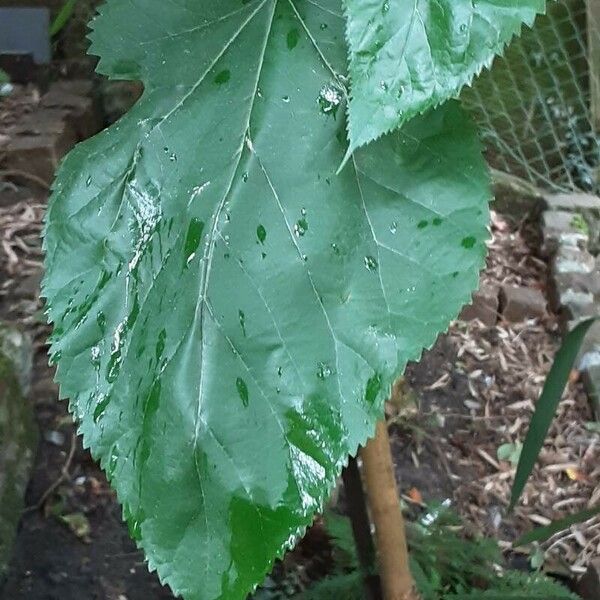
[506,367]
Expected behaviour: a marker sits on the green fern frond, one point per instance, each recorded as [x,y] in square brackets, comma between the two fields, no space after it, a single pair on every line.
[348,586]
[515,585]
[445,560]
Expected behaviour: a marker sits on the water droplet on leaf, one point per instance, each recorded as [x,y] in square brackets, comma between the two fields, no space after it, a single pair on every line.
[242,321]
[261,234]
[301,228]
[371,263]
[242,390]
[468,242]
[323,370]
[192,240]
[292,39]
[330,98]
[223,77]
[101,320]
[102,402]
[95,357]
[373,388]
[114,367]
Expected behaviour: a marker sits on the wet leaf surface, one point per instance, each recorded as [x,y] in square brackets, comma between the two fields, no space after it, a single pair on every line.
[228,313]
[407,57]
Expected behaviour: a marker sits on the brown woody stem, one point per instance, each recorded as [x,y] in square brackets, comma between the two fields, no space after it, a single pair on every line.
[392,550]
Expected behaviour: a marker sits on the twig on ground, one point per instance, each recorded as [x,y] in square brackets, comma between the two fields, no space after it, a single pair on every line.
[64,476]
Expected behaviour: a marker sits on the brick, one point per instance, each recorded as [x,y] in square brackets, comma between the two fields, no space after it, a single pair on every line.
[589,353]
[558,228]
[572,260]
[48,121]
[573,298]
[572,313]
[573,202]
[37,155]
[562,283]
[79,87]
[521,303]
[21,68]
[484,306]
[86,120]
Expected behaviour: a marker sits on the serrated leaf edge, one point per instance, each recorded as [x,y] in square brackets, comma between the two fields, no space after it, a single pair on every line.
[468,82]
[382,396]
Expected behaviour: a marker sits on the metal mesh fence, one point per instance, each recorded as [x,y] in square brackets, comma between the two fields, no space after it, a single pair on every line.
[535,105]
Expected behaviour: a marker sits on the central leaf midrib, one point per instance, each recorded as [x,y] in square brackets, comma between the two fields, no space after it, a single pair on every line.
[212,235]
[131,167]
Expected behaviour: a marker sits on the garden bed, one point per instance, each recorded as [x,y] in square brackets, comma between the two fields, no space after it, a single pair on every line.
[475,389]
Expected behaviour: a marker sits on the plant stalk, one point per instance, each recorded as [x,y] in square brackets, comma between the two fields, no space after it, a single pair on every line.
[361,528]
[392,550]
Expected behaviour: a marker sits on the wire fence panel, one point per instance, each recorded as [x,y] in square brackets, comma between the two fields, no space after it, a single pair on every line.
[534,106]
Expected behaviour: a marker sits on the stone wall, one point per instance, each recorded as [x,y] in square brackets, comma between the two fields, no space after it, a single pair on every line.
[570,232]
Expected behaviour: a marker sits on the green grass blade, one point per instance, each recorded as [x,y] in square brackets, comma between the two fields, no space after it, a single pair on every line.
[546,406]
[541,534]
[62,18]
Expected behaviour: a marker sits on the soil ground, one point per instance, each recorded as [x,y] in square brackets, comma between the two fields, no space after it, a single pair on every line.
[71,543]
[88,556]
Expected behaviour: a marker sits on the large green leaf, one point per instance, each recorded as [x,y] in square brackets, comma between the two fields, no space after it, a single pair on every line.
[62,18]
[409,56]
[229,315]
[515,585]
